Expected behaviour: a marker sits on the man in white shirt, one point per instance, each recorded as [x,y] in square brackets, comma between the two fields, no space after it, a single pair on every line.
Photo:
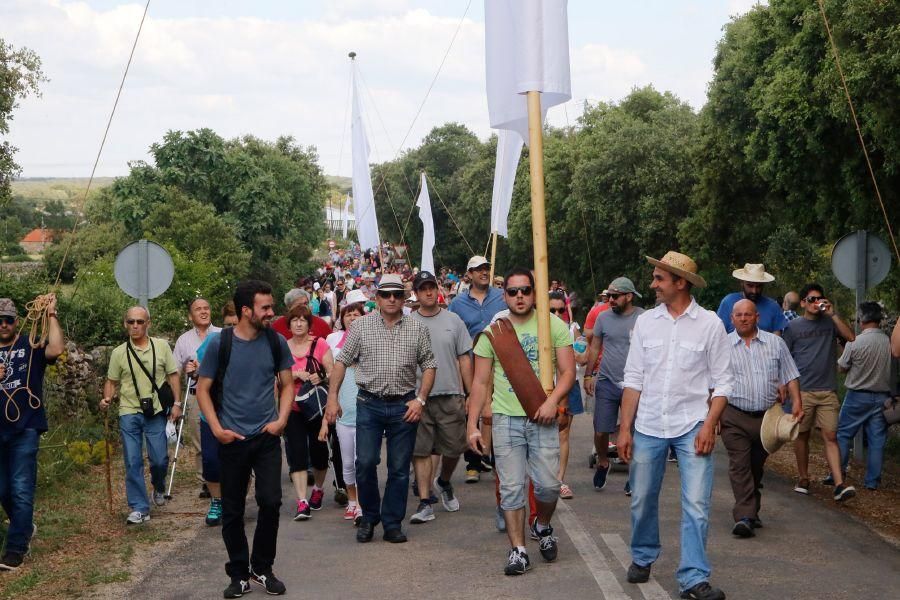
[679,358]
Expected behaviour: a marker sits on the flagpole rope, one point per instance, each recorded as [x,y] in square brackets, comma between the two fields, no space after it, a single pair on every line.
[449,214]
[587,238]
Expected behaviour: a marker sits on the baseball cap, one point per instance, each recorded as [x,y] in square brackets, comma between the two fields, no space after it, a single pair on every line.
[7,308]
[622,285]
[477,261]
[391,282]
[423,277]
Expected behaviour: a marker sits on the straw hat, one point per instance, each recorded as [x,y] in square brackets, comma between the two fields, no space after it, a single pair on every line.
[681,265]
[753,273]
[778,427]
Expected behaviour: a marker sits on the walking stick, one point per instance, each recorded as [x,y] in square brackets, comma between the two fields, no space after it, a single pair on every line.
[187,391]
[108,468]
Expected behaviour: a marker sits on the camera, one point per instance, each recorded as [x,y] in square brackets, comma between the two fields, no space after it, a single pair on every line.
[147,407]
[823,305]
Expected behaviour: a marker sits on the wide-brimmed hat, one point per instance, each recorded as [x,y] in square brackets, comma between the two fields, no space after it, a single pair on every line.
[354,296]
[622,285]
[679,264]
[778,428]
[753,273]
[391,282]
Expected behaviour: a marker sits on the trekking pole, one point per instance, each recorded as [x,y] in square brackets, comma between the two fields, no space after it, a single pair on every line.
[181,419]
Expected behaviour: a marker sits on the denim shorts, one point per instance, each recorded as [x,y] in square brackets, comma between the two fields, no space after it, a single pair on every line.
[608,399]
[524,448]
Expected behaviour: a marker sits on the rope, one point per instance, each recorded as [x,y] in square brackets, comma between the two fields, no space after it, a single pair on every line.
[449,214]
[862,142]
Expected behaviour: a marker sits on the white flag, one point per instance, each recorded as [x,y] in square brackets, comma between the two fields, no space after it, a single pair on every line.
[345,217]
[424,204]
[509,149]
[526,49]
[363,198]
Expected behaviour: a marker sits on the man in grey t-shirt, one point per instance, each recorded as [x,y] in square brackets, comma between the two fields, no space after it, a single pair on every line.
[612,338]
[442,430]
[811,340]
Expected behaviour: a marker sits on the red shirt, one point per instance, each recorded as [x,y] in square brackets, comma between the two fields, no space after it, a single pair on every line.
[589,327]
[319,327]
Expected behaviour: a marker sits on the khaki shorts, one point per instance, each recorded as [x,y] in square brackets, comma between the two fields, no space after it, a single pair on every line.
[442,429]
[821,408]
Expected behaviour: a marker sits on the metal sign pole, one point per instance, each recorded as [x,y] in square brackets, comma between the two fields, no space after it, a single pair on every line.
[862,265]
[143,271]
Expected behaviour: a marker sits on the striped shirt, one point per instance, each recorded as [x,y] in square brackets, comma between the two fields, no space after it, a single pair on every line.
[386,357]
[759,369]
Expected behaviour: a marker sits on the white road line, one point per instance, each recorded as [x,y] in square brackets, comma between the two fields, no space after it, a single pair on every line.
[590,553]
[651,590]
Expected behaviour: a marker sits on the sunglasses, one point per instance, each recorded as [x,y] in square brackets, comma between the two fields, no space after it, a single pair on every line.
[6,320]
[512,292]
[812,299]
[397,295]
[558,311]
[613,296]
[135,321]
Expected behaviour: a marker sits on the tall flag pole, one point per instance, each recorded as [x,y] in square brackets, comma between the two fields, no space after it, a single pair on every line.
[527,65]
[424,204]
[363,197]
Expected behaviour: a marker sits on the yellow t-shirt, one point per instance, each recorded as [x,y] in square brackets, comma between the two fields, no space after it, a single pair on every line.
[129,399]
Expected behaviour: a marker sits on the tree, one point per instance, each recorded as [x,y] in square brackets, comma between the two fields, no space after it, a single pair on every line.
[20,75]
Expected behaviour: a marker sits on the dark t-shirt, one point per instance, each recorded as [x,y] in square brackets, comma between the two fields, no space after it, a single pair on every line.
[16,410]
[248,390]
[812,344]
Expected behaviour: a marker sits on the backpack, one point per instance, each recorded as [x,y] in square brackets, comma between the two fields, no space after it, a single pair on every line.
[225,340]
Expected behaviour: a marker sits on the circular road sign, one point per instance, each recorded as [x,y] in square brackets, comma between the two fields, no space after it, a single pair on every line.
[845,255]
[144,270]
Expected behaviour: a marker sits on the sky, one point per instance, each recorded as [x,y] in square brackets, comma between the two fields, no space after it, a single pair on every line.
[280,67]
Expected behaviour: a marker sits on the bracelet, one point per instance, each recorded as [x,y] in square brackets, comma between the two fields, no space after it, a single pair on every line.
[420,401]
[588,377]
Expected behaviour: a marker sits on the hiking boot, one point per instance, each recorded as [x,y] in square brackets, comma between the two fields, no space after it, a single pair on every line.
[638,574]
[450,502]
[340,497]
[272,585]
[802,487]
[501,521]
[743,528]
[844,492]
[302,513]
[315,499]
[549,545]
[11,561]
[703,591]
[136,517]
[237,588]
[423,514]
[214,514]
[159,498]
[472,476]
[600,477]
[516,562]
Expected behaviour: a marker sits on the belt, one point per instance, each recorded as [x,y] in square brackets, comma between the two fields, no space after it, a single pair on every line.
[756,414]
[388,397]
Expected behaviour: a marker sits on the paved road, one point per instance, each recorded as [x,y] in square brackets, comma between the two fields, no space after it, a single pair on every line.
[806,550]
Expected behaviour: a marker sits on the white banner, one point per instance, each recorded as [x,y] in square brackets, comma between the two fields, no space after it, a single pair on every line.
[509,149]
[363,198]
[424,204]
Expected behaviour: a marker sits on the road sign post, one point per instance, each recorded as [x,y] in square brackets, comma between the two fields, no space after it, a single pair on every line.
[144,270]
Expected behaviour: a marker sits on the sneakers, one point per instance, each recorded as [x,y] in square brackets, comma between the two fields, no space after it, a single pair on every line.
[703,591]
[484,465]
[450,502]
[802,487]
[267,580]
[237,588]
[743,528]
[828,480]
[638,574]
[349,512]
[844,492]
[532,529]
[600,477]
[423,514]
[516,562]
[756,523]
[302,513]
[472,476]
[565,492]
[214,514]
[628,488]
[11,561]
[548,544]
[159,498]
[357,516]
[136,517]
[315,499]
[672,456]
[501,521]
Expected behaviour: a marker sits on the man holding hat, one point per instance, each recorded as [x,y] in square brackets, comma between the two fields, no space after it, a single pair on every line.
[442,429]
[387,349]
[760,363]
[24,420]
[753,278]
[678,352]
[611,340]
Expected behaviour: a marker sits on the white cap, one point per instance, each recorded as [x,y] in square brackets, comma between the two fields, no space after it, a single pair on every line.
[477,261]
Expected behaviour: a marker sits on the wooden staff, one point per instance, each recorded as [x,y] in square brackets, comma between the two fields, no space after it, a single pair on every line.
[493,255]
[539,238]
[109,496]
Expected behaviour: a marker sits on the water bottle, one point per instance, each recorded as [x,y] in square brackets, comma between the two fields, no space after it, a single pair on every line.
[580,344]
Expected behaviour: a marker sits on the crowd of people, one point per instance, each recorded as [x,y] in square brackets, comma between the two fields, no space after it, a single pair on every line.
[444,366]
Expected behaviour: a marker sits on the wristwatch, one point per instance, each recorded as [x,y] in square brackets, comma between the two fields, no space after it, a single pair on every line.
[420,401]
[178,404]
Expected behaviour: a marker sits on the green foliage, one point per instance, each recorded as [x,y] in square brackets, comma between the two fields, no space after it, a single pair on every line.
[82,248]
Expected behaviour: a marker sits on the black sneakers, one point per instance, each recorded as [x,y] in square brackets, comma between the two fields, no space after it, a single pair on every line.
[11,561]
[844,492]
[638,574]
[237,588]
[703,591]
[548,544]
[272,585]
[516,562]
[743,528]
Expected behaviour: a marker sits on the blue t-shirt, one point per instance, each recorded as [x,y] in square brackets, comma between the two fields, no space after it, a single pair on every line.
[248,389]
[16,405]
[771,316]
[477,316]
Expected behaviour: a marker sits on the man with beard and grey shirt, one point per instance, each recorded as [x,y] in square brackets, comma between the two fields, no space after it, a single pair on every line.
[612,336]
[442,429]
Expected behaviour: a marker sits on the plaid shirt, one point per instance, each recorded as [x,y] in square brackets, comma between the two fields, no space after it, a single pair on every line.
[790,315]
[386,358]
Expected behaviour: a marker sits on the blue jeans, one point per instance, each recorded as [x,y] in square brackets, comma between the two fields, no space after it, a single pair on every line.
[648,466]
[374,418]
[18,477]
[134,429]
[863,409]
[523,447]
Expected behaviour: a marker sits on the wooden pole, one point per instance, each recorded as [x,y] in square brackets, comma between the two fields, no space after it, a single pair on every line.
[493,255]
[539,238]
[109,498]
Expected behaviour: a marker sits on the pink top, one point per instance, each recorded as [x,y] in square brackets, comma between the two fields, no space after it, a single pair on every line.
[300,365]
